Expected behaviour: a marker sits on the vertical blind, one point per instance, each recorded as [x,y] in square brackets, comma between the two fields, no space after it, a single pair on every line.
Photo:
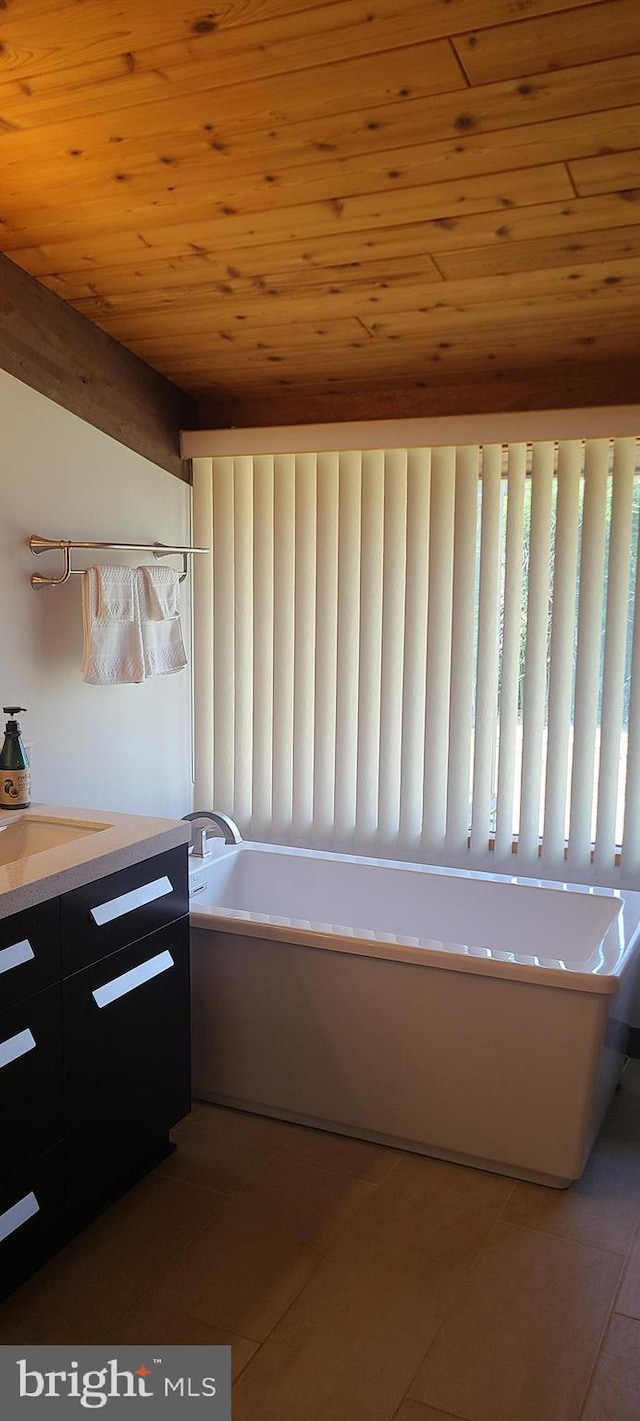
[424,653]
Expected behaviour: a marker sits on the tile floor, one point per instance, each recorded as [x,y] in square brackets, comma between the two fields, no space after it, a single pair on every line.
[356,1283]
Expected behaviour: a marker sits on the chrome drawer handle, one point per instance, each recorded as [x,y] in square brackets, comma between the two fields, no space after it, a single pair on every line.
[128,981]
[18,1214]
[16,1046]
[117,907]
[15,955]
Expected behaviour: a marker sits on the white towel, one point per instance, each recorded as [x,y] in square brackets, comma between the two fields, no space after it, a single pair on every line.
[163,592]
[158,596]
[112,653]
[116,593]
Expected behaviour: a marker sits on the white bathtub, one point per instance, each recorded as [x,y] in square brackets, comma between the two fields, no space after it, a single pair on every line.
[465,1015]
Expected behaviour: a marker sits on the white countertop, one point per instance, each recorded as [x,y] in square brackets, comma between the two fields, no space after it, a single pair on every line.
[125,840]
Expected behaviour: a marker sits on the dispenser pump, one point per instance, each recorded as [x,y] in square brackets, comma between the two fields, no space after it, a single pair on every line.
[12,725]
[15,776]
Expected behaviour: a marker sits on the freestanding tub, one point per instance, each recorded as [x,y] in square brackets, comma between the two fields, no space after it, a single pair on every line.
[465,1015]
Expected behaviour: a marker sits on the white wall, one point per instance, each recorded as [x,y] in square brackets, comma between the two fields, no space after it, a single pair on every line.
[111,747]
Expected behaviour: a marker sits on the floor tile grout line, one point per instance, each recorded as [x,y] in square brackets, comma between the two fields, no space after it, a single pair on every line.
[115,1317]
[603,1337]
[509,1196]
[283,1149]
[230,1200]
[303,1164]
[447,1311]
[272,1154]
[172,1178]
[469,1267]
[321,1260]
[337,1173]
[563,1238]
[473,1266]
[284,1153]
[447,1415]
[635,1241]
[171,1264]
[320,1132]
[249,1360]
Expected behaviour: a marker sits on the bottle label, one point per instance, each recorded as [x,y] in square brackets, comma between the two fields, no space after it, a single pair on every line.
[14,789]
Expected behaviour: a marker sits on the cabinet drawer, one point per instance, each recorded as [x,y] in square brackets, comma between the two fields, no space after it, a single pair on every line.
[126,1063]
[29,952]
[31,1215]
[30,1079]
[106,915]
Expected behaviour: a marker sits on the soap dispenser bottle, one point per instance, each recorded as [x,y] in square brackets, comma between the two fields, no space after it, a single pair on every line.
[15,776]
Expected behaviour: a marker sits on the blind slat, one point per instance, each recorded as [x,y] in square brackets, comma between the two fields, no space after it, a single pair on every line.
[511,629]
[535,674]
[415,648]
[588,653]
[561,655]
[203,633]
[488,634]
[243,637]
[370,648]
[439,615]
[223,639]
[614,652]
[304,647]
[630,861]
[262,646]
[349,513]
[283,643]
[326,650]
[391,672]
[462,641]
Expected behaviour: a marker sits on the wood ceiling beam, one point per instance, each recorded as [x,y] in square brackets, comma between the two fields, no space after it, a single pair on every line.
[51,347]
[544,387]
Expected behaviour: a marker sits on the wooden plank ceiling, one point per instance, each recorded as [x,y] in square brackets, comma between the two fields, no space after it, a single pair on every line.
[362,207]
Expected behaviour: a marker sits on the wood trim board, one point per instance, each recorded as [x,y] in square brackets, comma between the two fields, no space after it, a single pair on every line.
[51,347]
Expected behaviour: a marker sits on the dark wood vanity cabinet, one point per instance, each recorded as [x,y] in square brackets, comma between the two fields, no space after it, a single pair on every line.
[126,1067]
[29,952]
[94,1050]
[104,916]
[30,1079]
[31,1217]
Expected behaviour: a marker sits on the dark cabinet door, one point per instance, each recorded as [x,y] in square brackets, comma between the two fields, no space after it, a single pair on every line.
[106,915]
[30,1218]
[29,952]
[30,1079]
[126,1063]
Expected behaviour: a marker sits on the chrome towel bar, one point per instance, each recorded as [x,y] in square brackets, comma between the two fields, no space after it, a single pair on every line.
[66,546]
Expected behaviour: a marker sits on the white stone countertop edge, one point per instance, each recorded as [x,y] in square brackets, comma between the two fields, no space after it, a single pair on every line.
[128,839]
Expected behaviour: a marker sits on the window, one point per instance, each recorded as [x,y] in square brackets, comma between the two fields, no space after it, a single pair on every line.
[425,653]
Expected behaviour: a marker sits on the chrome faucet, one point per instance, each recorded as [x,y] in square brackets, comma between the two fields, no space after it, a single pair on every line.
[200,837]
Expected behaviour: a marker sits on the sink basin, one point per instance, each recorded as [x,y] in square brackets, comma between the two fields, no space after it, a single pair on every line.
[33,836]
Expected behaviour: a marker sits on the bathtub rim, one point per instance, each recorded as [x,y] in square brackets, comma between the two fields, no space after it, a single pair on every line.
[452,957]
